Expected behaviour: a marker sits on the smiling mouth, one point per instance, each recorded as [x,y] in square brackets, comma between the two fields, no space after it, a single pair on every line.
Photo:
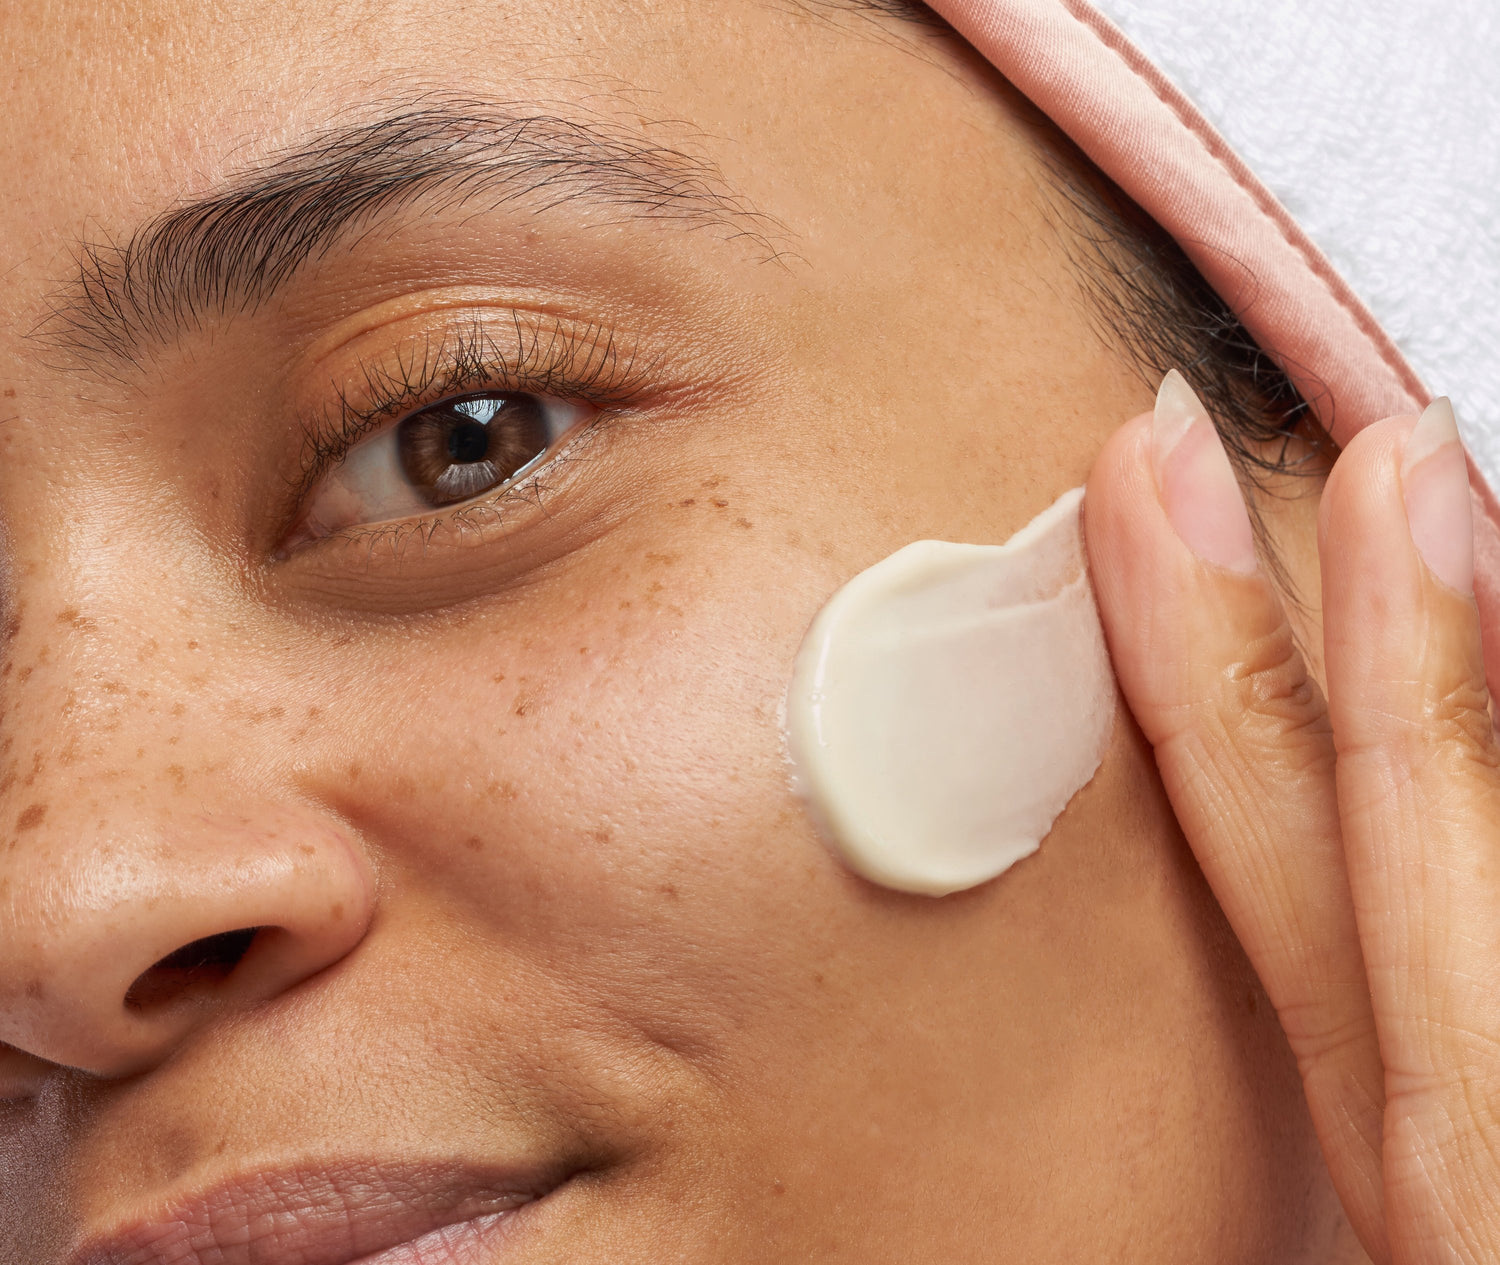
[354,1214]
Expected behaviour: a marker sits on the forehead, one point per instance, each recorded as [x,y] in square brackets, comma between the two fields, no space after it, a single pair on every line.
[116,120]
[109,114]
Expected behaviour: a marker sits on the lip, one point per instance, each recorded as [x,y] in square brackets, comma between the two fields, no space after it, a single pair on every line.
[349,1214]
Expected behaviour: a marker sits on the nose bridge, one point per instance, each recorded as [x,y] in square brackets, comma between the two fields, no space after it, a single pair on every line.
[87,702]
[147,883]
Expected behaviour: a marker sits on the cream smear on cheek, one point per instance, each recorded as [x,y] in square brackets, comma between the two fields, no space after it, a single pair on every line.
[949,701]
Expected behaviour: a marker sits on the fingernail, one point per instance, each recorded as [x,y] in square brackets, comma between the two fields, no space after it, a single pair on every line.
[1435,479]
[1196,483]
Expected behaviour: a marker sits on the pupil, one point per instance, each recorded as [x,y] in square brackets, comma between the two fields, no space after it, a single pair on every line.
[468,442]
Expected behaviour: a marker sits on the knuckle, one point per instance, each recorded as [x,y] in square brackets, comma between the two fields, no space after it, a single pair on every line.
[1267,702]
[1457,721]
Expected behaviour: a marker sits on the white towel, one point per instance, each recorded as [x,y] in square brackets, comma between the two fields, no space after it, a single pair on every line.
[1377,124]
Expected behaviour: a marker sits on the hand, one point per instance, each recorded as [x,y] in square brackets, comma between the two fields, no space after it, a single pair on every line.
[1353,841]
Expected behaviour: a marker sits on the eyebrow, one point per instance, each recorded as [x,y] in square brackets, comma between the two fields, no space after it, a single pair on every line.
[230,251]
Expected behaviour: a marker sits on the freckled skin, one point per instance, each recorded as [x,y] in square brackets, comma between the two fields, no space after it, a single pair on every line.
[512,805]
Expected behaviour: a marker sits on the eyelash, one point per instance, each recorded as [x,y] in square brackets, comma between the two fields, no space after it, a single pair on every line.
[552,357]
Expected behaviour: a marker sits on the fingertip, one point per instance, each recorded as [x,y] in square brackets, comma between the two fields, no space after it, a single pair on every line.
[1366,474]
[1120,492]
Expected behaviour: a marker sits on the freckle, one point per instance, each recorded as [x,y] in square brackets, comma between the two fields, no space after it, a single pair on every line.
[143,693]
[36,990]
[174,740]
[626,605]
[10,393]
[337,912]
[179,709]
[744,522]
[711,483]
[474,843]
[794,538]
[23,674]
[314,712]
[722,504]
[69,616]
[192,645]
[31,818]
[602,834]
[692,500]
[306,849]
[353,772]
[668,890]
[175,772]
[276,713]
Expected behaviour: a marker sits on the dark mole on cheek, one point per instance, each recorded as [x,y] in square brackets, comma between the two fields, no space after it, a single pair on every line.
[474,843]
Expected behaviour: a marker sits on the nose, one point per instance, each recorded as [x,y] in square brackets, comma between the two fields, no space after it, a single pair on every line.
[117,944]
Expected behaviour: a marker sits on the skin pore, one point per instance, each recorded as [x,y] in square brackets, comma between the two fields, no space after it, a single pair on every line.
[507,784]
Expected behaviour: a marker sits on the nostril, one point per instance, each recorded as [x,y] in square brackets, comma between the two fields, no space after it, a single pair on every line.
[201,964]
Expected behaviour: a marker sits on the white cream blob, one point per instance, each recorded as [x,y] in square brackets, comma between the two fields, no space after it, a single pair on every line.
[949,701]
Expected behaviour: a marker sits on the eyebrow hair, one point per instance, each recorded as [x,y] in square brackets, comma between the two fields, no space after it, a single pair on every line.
[229,251]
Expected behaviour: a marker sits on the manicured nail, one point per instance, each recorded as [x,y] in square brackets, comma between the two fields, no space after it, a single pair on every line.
[1435,478]
[1196,483]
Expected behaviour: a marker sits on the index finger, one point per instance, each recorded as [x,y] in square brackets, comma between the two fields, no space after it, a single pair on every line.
[1208,663]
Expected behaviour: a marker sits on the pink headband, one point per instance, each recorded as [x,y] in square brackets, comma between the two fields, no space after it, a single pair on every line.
[1142,132]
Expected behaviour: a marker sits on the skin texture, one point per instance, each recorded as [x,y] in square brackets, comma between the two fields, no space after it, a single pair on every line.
[512,792]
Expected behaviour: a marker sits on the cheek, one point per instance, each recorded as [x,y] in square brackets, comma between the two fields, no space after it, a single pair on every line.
[593,782]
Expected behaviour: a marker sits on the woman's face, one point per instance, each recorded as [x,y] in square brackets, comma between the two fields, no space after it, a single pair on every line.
[502,781]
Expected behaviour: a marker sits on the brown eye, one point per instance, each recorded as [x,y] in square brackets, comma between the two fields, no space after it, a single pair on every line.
[461,448]
[453,451]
